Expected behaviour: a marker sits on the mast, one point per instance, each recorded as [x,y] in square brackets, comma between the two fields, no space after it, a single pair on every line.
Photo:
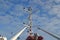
[30,20]
[29,9]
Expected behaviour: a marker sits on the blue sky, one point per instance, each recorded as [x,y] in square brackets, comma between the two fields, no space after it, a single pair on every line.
[44,12]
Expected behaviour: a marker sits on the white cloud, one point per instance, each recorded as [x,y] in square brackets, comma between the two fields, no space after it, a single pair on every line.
[38,20]
[55,10]
[5,20]
[4,5]
[17,10]
[57,1]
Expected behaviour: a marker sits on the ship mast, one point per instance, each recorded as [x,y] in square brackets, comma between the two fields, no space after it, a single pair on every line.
[30,20]
[29,9]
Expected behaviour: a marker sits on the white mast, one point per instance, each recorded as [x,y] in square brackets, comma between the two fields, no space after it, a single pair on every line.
[19,33]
